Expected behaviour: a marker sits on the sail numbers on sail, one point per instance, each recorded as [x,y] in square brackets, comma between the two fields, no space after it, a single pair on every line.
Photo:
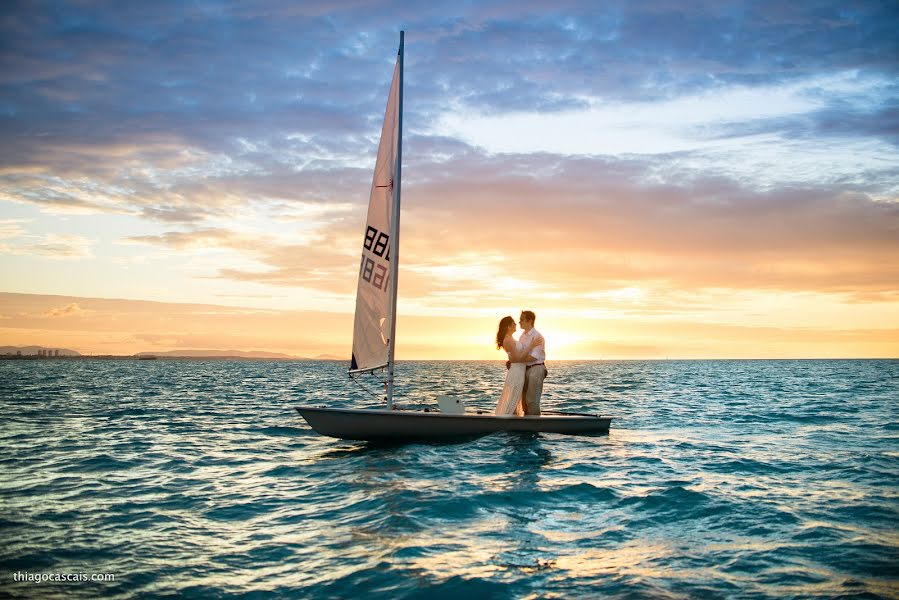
[372,271]
[379,246]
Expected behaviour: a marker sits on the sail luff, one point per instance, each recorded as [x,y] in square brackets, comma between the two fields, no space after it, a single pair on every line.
[395,235]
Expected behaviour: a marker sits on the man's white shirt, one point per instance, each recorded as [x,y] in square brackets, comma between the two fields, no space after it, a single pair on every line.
[538,352]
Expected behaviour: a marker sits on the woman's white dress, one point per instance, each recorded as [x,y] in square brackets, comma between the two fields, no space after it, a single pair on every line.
[510,402]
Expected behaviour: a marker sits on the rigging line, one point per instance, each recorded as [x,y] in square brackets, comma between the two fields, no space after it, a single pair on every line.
[370,392]
[365,389]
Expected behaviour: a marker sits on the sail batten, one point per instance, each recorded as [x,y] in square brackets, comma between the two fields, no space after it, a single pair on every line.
[375,292]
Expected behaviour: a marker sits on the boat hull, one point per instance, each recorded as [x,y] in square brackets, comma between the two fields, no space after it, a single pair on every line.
[388,425]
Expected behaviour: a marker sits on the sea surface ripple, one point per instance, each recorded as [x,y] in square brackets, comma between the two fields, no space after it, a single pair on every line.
[197,479]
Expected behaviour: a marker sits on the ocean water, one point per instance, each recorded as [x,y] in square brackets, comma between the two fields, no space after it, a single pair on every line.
[197,479]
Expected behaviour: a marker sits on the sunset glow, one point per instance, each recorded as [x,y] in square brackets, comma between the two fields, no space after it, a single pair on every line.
[723,188]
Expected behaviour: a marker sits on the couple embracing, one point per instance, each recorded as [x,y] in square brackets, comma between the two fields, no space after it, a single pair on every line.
[524,380]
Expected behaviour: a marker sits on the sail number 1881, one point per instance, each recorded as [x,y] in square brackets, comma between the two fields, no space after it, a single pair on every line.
[378,243]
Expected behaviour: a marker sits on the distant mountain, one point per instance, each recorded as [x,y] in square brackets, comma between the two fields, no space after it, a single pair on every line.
[34,350]
[215,354]
[329,357]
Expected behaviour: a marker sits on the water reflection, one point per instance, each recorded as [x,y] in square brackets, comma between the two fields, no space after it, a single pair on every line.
[199,478]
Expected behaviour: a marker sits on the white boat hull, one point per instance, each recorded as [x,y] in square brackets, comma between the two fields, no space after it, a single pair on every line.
[387,425]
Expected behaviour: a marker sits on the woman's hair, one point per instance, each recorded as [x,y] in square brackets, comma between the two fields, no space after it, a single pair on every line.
[501,332]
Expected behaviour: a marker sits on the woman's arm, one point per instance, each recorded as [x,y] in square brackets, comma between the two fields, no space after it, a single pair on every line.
[514,355]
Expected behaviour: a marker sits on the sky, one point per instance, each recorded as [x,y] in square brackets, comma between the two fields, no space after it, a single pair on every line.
[655,179]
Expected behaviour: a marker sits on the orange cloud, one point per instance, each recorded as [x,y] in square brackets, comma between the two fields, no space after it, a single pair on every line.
[584,226]
[70,310]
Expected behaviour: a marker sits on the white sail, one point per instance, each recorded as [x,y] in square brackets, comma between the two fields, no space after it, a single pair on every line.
[374,297]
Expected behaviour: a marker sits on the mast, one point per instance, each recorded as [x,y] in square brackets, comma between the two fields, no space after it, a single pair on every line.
[395,235]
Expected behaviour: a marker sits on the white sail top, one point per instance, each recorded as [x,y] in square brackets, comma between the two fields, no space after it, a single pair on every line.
[373,294]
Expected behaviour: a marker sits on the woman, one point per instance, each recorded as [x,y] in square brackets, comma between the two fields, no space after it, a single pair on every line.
[510,402]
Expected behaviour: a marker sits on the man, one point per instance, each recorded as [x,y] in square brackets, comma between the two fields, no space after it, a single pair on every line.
[535,369]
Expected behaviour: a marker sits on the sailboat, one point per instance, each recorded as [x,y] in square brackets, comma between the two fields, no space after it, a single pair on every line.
[374,330]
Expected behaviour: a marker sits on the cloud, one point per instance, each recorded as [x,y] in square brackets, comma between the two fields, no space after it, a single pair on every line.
[208,79]
[198,238]
[11,228]
[577,220]
[14,240]
[188,120]
[58,246]
[596,223]
[70,310]
[316,258]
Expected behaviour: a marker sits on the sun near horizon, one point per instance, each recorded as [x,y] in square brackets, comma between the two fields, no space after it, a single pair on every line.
[125,327]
